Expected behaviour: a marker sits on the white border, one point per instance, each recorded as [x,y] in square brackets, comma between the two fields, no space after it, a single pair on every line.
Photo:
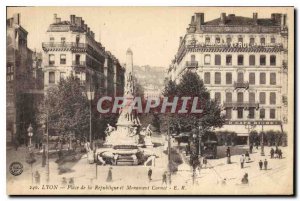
[4,3]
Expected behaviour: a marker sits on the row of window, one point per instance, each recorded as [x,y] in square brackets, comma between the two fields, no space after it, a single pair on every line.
[63,59]
[240,40]
[63,39]
[240,97]
[10,69]
[10,77]
[251,114]
[240,78]
[62,75]
[240,60]
[52,77]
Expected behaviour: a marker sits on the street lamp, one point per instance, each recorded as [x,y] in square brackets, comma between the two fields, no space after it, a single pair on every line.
[250,127]
[30,134]
[200,139]
[262,153]
[90,95]
[46,134]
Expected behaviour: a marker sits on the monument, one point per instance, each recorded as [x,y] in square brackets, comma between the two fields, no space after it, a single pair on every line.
[127,144]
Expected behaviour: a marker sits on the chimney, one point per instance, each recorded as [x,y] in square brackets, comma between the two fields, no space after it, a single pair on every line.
[16,18]
[54,18]
[276,17]
[58,20]
[199,20]
[72,19]
[82,23]
[88,30]
[180,40]
[85,27]
[193,19]
[283,21]
[255,18]
[78,21]
[223,18]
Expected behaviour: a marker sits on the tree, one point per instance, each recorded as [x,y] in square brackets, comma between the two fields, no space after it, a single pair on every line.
[67,108]
[191,85]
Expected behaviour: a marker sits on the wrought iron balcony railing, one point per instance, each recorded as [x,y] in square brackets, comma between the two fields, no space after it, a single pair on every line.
[63,45]
[235,105]
[284,64]
[241,85]
[78,63]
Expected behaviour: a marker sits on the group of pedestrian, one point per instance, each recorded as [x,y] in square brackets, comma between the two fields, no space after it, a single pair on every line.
[261,164]
[277,153]
[64,181]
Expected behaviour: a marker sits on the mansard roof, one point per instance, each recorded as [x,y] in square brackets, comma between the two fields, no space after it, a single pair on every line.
[240,21]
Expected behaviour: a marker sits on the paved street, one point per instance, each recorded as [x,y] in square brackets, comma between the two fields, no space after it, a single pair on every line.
[213,174]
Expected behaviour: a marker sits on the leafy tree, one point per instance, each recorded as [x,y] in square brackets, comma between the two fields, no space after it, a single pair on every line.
[67,108]
[191,85]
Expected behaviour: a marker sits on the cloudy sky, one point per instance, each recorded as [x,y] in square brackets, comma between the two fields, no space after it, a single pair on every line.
[151,32]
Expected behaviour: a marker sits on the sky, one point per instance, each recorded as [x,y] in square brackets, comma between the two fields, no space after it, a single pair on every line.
[152,33]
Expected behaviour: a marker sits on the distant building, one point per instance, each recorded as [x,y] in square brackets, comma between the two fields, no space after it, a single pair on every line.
[243,63]
[21,81]
[151,78]
[72,49]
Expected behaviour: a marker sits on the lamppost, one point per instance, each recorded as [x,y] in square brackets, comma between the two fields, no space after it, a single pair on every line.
[262,153]
[250,127]
[30,134]
[200,138]
[46,134]
[90,95]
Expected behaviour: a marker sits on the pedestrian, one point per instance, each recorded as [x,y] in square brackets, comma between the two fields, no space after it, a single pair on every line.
[164,178]
[204,161]
[245,179]
[16,144]
[257,145]
[228,152]
[251,148]
[272,152]
[247,156]
[109,175]
[260,163]
[266,164]
[149,174]
[71,181]
[37,177]
[242,160]
[279,154]
[64,181]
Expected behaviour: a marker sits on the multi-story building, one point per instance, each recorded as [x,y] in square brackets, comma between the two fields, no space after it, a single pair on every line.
[21,81]
[72,49]
[243,63]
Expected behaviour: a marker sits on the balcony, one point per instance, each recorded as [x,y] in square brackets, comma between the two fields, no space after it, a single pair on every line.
[241,85]
[63,46]
[285,65]
[78,63]
[245,105]
[191,64]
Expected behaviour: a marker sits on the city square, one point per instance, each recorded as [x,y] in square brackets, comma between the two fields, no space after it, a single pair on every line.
[84,118]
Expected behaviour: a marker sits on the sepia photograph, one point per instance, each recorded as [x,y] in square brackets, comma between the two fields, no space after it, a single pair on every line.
[150,100]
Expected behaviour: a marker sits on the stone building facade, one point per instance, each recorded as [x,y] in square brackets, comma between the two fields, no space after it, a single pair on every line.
[72,49]
[243,63]
[22,86]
